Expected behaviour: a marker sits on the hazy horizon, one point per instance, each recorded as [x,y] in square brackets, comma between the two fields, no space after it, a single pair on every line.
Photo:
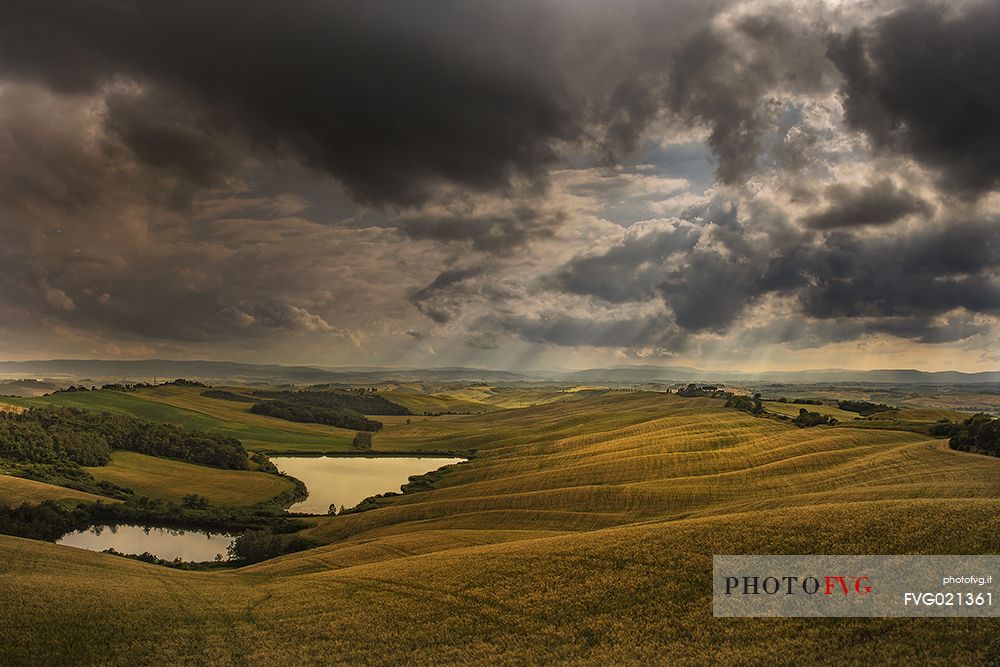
[516,370]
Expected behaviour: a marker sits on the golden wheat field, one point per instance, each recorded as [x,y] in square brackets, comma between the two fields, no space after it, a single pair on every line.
[580,531]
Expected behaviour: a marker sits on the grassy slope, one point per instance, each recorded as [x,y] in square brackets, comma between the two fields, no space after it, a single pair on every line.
[420,402]
[548,421]
[930,415]
[627,457]
[636,594]
[172,480]
[15,490]
[185,406]
[580,531]
[479,399]
[792,410]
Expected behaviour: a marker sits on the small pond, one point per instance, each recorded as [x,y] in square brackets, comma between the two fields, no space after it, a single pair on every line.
[165,543]
[346,481]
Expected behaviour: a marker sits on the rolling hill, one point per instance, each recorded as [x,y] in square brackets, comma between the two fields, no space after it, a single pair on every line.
[186,406]
[581,531]
[169,480]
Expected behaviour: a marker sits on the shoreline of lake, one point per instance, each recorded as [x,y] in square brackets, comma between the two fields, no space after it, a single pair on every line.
[344,482]
[465,454]
[188,545]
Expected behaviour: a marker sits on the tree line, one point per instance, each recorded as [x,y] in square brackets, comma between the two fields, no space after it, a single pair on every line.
[332,408]
[980,434]
[863,408]
[52,435]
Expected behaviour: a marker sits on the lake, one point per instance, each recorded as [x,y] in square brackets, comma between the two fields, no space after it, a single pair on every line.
[165,543]
[346,481]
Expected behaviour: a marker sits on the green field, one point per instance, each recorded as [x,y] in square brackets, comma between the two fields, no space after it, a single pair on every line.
[169,480]
[581,531]
[185,406]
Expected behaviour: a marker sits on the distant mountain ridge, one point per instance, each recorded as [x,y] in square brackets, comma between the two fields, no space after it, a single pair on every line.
[164,369]
[680,373]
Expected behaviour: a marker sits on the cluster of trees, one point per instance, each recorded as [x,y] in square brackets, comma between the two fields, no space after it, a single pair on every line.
[28,438]
[979,433]
[315,414]
[345,409]
[801,401]
[746,404]
[254,546]
[181,382]
[807,419]
[195,501]
[47,520]
[339,387]
[50,435]
[136,386]
[711,391]
[125,386]
[365,403]
[863,408]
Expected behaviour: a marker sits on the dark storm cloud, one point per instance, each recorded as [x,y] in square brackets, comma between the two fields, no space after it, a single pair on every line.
[275,314]
[921,80]
[166,132]
[500,233]
[482,340]
[54,162]
[723,78]
[440,300]
[628,271]
[706,289]
[922,331]
[802,333]
[901,285]
[563,329]
[924,274]
[881,203]
[388,100]
[711,290]
[131,134]
[395,103]
[46,159]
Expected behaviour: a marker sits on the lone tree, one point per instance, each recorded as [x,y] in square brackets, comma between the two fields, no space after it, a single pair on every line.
[363,440]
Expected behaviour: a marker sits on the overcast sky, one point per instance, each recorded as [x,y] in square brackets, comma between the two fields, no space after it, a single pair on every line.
[508,184]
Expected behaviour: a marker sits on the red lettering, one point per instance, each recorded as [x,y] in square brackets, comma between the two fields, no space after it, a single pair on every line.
[861,585]
[831,585]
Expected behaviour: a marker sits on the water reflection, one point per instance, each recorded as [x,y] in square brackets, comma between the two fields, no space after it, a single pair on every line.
[346,481]
[165,543]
